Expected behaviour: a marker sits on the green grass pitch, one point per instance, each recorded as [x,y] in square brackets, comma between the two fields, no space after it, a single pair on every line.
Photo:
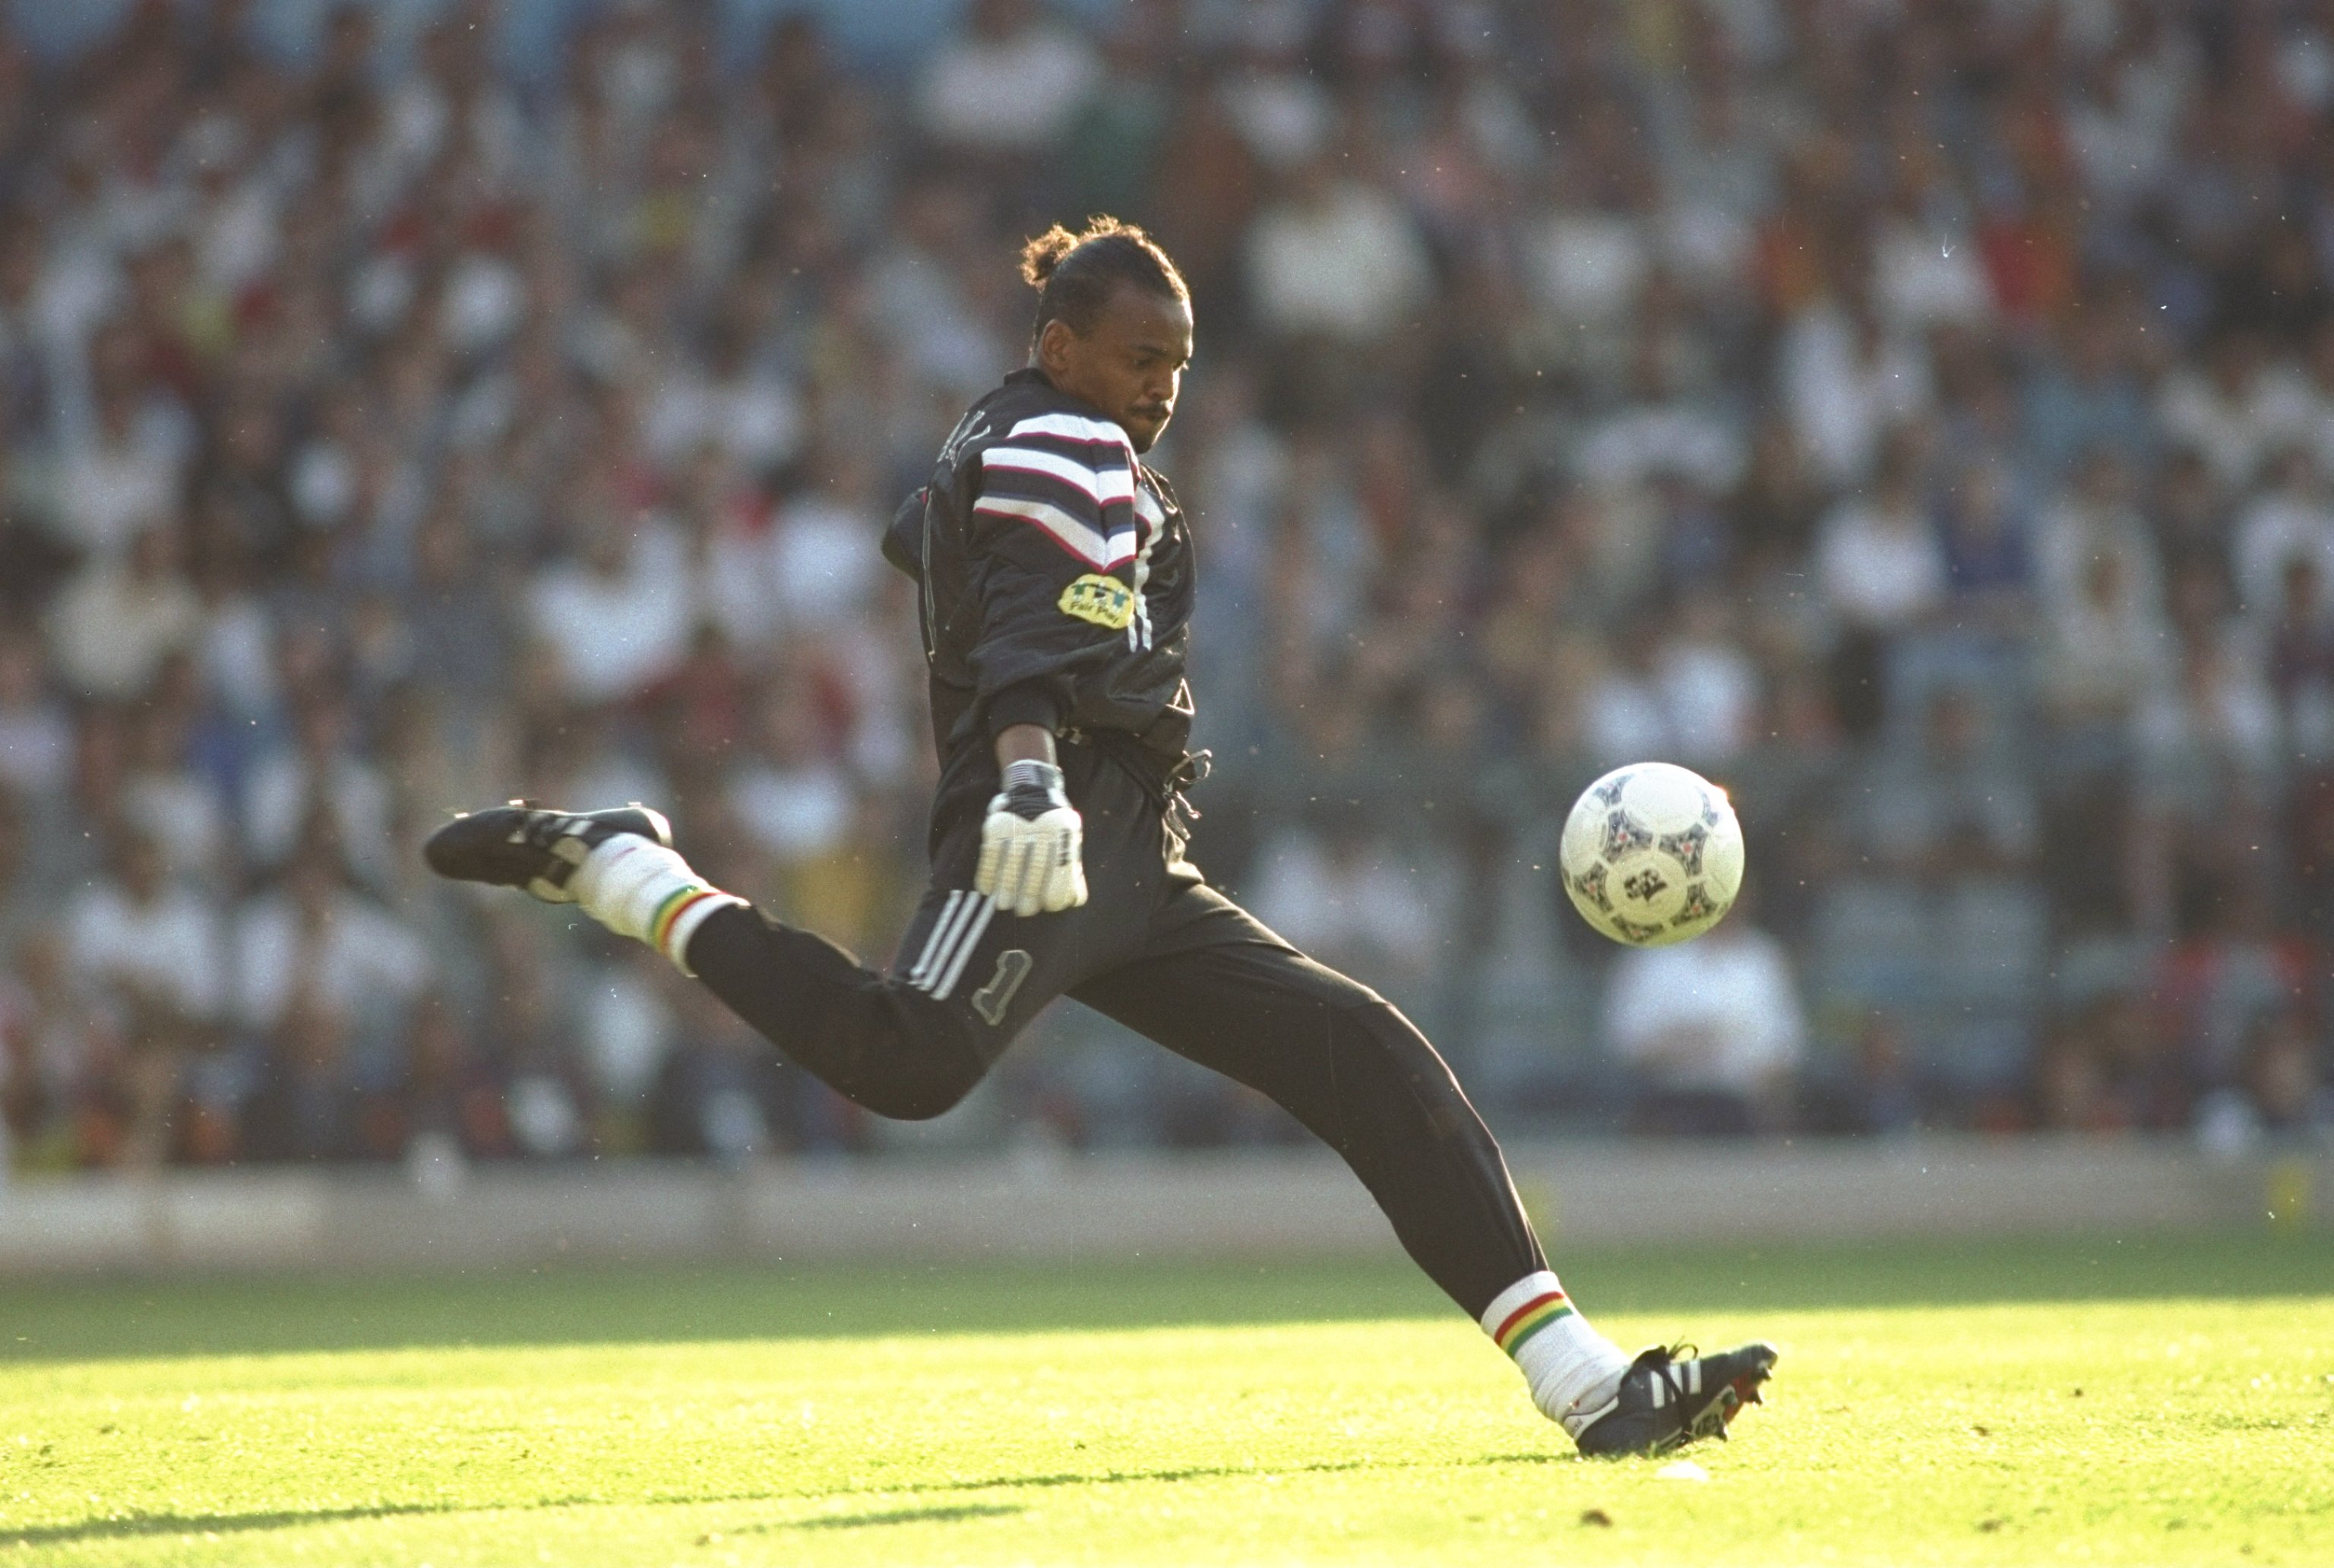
[2143,1401]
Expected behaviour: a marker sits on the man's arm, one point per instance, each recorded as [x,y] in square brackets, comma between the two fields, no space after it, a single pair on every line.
[1054,525]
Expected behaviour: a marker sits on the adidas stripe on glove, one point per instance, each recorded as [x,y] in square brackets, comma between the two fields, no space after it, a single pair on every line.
[1031,844]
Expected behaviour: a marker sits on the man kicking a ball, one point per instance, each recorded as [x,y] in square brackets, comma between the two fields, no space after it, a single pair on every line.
[1057,579]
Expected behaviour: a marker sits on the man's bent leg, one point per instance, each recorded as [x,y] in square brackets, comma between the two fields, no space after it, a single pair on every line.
[909,1045]
[968,975]
[895,1047]
[880,1043]
[967,978]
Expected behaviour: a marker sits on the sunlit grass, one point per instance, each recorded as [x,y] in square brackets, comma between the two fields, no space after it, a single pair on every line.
[2155,1402]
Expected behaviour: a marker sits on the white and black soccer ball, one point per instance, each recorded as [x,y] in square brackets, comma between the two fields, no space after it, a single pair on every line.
[1651,854]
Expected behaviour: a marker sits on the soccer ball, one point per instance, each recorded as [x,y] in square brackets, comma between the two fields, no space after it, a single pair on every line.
[1651,854]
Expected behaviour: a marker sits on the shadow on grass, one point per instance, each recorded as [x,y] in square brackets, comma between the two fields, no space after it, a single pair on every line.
[138,1526]
[660,1304]
[1181,1473]
[938,1514]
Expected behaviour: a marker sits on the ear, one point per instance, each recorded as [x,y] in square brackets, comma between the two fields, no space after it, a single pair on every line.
[1054,346]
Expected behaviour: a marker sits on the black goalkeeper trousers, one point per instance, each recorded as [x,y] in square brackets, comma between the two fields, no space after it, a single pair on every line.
[1166,955]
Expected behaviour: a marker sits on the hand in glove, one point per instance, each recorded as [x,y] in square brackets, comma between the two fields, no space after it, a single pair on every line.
[1031,844]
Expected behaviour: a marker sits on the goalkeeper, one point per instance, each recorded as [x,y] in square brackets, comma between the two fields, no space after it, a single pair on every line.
[1056,582]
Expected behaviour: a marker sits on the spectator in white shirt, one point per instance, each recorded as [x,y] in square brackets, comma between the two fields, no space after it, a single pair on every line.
[791,796]
[1588,264]
[315,936]
[821,569]
[2291,521]
[2094,520]
[620,616]
[1280,109]
[1337,259]
[319,784]
[1707,681]
[1624,713]
[36,737]
[1847,383]
[1883,570]
[1923,275]
[116,622]
[2319,429]
[151,947]
[163,794]
[1879,561]
[2107,650]
[121,481]
[1711,1031]
[1356,897]
[2235,408]
[1010,84]
[2207,739]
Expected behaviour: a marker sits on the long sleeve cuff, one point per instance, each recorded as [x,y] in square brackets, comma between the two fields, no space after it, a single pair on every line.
[1030,702]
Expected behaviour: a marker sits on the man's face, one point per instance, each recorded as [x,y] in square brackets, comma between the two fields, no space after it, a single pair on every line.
[1130,366]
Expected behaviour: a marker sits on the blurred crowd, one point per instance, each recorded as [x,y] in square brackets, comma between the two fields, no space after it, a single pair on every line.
[1920,418]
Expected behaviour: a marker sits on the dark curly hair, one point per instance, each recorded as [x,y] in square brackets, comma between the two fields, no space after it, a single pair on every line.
[1073,274]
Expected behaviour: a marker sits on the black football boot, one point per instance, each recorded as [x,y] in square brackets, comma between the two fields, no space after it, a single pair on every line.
[523,846]
[1665,1402]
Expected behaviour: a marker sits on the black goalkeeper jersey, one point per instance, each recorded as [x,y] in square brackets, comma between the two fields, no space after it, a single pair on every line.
[1058,588]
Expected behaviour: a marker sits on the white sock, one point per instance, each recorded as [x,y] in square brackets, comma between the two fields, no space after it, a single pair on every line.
[1573,1371]
[639,888]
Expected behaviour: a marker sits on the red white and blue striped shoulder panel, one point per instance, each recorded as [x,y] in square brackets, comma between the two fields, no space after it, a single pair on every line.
[1072,476]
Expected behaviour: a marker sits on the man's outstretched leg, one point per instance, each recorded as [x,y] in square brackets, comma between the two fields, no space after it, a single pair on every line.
[1230,995]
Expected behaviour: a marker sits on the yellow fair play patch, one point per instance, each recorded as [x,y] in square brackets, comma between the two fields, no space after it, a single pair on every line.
[1105,600]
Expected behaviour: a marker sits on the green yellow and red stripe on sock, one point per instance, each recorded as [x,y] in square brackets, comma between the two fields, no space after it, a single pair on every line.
[1529,1319]
[669,913]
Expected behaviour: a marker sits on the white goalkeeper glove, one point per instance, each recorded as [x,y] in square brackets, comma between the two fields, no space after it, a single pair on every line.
[1031,843]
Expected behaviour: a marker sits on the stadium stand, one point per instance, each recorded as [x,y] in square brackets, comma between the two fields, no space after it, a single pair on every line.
[1919,418]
